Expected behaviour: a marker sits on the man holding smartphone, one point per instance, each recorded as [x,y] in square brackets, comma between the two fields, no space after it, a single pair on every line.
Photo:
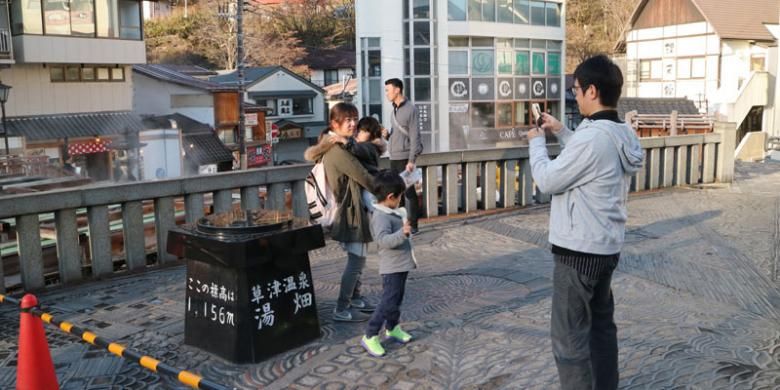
[589,183]
[405,142]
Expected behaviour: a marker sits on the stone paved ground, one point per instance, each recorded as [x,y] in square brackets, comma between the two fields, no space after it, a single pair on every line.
[696,294]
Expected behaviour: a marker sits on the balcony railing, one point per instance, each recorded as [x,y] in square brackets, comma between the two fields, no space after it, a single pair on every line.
[5,43]
[452,182]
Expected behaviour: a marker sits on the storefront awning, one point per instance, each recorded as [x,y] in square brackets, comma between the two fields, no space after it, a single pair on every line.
[81,125]
[96,146]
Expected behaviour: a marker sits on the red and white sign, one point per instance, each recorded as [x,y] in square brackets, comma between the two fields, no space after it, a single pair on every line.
[250,119]
[90,147]
[274,133]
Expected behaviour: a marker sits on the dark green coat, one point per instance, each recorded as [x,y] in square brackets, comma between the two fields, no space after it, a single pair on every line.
[346,178]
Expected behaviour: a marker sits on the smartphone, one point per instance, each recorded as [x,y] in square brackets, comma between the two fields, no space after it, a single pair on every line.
[537,114]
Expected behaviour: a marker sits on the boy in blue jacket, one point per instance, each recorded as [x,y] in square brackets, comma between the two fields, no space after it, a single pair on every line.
[390,230]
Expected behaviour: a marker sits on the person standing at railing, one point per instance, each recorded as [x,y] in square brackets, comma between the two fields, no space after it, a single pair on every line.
[589,183]
[347,177]
[405,142]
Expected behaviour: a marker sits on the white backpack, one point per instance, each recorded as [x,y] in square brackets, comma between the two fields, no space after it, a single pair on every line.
[323,207]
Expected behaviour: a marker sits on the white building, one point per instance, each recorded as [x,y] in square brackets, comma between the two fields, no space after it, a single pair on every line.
[330,66]
[71,76]
[471,67]
[296,106]
[719,54]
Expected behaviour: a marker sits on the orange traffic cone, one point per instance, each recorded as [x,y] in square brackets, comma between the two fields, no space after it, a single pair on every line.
[34,368]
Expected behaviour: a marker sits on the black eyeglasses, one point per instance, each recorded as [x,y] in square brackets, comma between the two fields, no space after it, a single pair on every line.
[574,89]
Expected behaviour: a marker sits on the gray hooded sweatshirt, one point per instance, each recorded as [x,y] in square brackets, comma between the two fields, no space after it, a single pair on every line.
[589,183]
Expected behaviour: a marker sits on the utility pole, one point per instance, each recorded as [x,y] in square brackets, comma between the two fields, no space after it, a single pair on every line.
[240,70]
[238,14]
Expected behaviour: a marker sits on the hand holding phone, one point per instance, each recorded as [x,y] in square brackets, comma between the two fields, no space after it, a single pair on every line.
[537,114]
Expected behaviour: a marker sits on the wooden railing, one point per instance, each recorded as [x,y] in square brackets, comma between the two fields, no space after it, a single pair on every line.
[451,183]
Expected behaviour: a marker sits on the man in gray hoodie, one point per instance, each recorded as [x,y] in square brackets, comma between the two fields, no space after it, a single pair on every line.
[589,183]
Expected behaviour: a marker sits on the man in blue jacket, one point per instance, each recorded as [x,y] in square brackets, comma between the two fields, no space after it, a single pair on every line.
[589,183]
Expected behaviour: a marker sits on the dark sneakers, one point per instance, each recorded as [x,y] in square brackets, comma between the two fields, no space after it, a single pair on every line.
[363,305]
[350,315]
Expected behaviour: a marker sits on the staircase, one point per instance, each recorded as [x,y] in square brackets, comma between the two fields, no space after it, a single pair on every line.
[755,92]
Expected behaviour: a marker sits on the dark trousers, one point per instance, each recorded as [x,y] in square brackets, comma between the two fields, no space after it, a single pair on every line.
[584,335]
[410,201]
[388,312]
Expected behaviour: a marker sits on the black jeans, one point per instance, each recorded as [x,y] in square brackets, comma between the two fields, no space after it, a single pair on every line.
[584,335]
[410,201]
[388,312]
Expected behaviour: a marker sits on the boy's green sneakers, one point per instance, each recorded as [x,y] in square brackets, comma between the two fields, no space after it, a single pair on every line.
[398,335]
[373,346]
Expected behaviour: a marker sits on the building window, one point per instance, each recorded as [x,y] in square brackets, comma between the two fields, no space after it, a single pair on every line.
[553,14]
[504,115]
[456,9]
[483,115]
[285,107]
[26,17]
[422,9]
[650,70]
[522,63]
[117,74]
[505,14]
[302,106]
[103,74]
[56,73]
[482,62]
[56,17]
[422,33]
[537,64]
[684,68]
[88,74]
[422,89]
[107,18]
[459,62]
[505,62]
[331,76]
[129,19]
[537,13]
[522,12]
[72,73]
[82,18]
[422,61]
[371,74]
[553,63]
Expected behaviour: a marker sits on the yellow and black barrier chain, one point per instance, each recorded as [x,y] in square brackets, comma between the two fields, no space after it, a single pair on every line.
[188,378]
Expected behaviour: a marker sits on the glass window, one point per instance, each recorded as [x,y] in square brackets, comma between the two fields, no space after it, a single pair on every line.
[103,74]
[522,43]
[504,115]
[504,43]
[406,33]
[554,45]
[331,76]
[422,61]
[373,42]
[72,73]
[456,9]
[656,69]
[422,9]
[88,74]
[554,63]
[129,19]
[26,17]
[117,74]
[522,63]
[57,73]
[684,68]
[505,11]
[538,44]
[489,10]
[406,8]
[458,41]
[505,62]
[521,113]
[302,106]
[458,62]
[375,110]
[82,18]
[422,33]
[698,68]
[537,13]
[538,63]
[375,91]
[553,14]
[422,90]
[644,70]
[107,18]
[522,13]
[475,10]
[407,62]
[56,16]
[483,115]
[374,63]
[481,42]
[482,62]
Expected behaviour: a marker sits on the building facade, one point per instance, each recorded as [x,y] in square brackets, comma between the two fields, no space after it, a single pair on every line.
[71,77]
[472,67]
[721,55]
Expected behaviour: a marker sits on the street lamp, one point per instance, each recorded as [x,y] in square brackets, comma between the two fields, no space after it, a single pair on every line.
[4,91]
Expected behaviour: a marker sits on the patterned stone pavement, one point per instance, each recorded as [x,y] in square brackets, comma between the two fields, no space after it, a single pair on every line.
[696,293]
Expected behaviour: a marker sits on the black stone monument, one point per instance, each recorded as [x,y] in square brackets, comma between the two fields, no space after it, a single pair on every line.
[249,292]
